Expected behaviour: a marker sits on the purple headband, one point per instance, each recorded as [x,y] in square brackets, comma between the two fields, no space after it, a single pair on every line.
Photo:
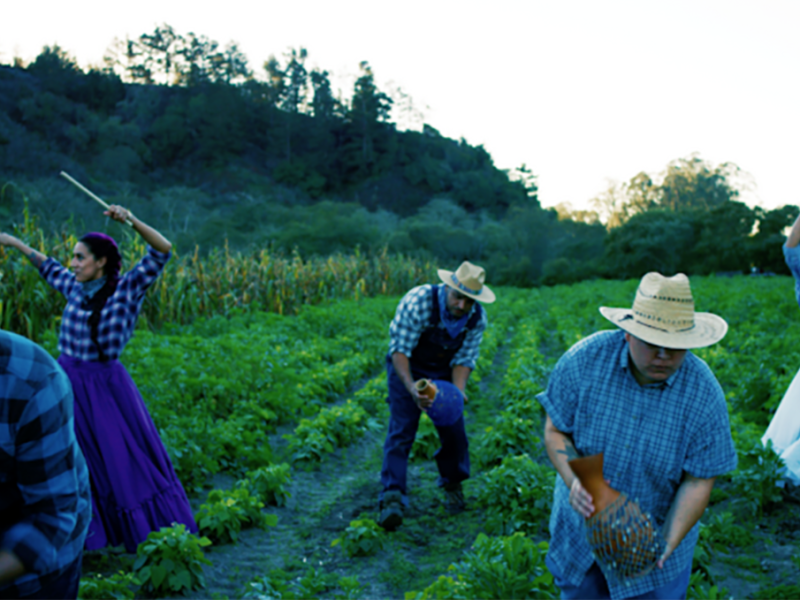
[104,246]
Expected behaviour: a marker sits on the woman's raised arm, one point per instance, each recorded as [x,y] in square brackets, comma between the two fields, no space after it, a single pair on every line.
[36,257]
[150,235]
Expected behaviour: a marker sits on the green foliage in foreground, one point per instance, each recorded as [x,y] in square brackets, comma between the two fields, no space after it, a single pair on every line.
[547,320]
[701,589]
[756,481]
[170,561]
[517,496]
[779,592]
[279,584]
[721,529]
[117,586]
[496,567]
[226,513]
[332,428]
[286,368]
[268,483]
[363,537]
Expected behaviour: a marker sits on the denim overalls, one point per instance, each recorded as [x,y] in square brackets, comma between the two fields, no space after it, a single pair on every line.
[430,359]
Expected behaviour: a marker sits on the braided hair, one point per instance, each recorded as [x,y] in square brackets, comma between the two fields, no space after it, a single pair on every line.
[102,246]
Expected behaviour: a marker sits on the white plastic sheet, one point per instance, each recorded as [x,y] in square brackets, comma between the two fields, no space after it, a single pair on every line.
[784,430]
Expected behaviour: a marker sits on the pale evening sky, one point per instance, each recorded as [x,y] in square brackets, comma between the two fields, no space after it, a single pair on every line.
[581,92]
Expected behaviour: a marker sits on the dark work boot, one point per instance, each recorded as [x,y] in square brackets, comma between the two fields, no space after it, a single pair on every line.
[391,516]
[454,501]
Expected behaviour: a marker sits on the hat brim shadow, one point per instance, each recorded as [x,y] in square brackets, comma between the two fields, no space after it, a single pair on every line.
[708,330]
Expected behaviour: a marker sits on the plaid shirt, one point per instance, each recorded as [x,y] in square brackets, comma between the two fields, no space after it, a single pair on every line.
[413,316]
[45,504]
[650,435]
[118,317]
[792,256]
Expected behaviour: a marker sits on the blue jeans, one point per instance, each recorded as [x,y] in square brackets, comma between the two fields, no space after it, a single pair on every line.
[595,587]
[452,458]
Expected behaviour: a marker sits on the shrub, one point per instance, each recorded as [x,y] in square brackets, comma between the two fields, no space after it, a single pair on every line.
[170,561]
[510,435]
[444,588]
[372,397]
[426,442]
[721,529]
[507,567]
[363,537]
[336,426]
[264,588]
[756,480]
[496,567]
[226,513]
[779,592]
[518,495]
[117,586]
[194,464]
[700,588]
[268,483]
[280,584]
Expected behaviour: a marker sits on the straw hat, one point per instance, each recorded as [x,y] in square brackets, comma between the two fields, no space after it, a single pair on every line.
[468,279]
[663,315]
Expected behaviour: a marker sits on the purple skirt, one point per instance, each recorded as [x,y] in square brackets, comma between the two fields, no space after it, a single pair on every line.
[134,486]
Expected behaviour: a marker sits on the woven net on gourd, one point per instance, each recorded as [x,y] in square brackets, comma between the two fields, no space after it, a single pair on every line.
[625,541]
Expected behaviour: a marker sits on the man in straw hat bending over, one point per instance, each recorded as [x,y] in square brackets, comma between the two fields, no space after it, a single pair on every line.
[435,334]
[659,417]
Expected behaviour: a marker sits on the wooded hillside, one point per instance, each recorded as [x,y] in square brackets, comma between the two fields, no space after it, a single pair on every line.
[187,135]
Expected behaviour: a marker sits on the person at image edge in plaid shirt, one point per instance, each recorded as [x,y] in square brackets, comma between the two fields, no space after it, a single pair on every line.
[659,417]
[134,486]
[436,334]
[44,483]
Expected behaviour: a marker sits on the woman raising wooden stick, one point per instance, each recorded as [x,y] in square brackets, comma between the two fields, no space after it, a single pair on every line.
[134,486]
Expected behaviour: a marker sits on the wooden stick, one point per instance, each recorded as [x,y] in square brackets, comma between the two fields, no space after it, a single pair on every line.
[91,194]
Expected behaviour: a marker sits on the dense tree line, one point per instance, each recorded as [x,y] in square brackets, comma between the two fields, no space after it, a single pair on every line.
[186,132]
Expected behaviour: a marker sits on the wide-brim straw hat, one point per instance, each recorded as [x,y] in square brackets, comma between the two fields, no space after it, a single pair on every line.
[663,315]
[468,279]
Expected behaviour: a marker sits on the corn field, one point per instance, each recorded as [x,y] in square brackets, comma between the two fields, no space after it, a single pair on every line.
[220,283]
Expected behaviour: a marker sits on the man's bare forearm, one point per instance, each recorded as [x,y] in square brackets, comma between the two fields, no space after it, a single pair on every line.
[402,366]
[560,449]
[460,376]
[688,506]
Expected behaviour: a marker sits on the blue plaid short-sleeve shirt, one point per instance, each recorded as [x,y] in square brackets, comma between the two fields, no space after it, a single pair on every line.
[118,316]
[792,257]
[649,435]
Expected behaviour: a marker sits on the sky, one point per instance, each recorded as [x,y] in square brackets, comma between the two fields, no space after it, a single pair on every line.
[585,93]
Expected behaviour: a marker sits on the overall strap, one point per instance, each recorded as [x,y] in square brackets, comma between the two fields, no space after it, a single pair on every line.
[435,305]
[476,317]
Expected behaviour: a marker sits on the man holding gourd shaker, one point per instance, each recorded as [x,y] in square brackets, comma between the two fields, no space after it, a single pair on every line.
[435,334]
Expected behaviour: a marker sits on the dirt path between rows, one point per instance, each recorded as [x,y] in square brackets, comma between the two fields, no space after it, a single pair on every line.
[342,488]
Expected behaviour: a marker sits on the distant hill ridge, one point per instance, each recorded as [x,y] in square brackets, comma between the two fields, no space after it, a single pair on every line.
[220,157]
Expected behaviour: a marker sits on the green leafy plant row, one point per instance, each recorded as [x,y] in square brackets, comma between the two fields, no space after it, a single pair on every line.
[333,427]
[226,512]
[495,567]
